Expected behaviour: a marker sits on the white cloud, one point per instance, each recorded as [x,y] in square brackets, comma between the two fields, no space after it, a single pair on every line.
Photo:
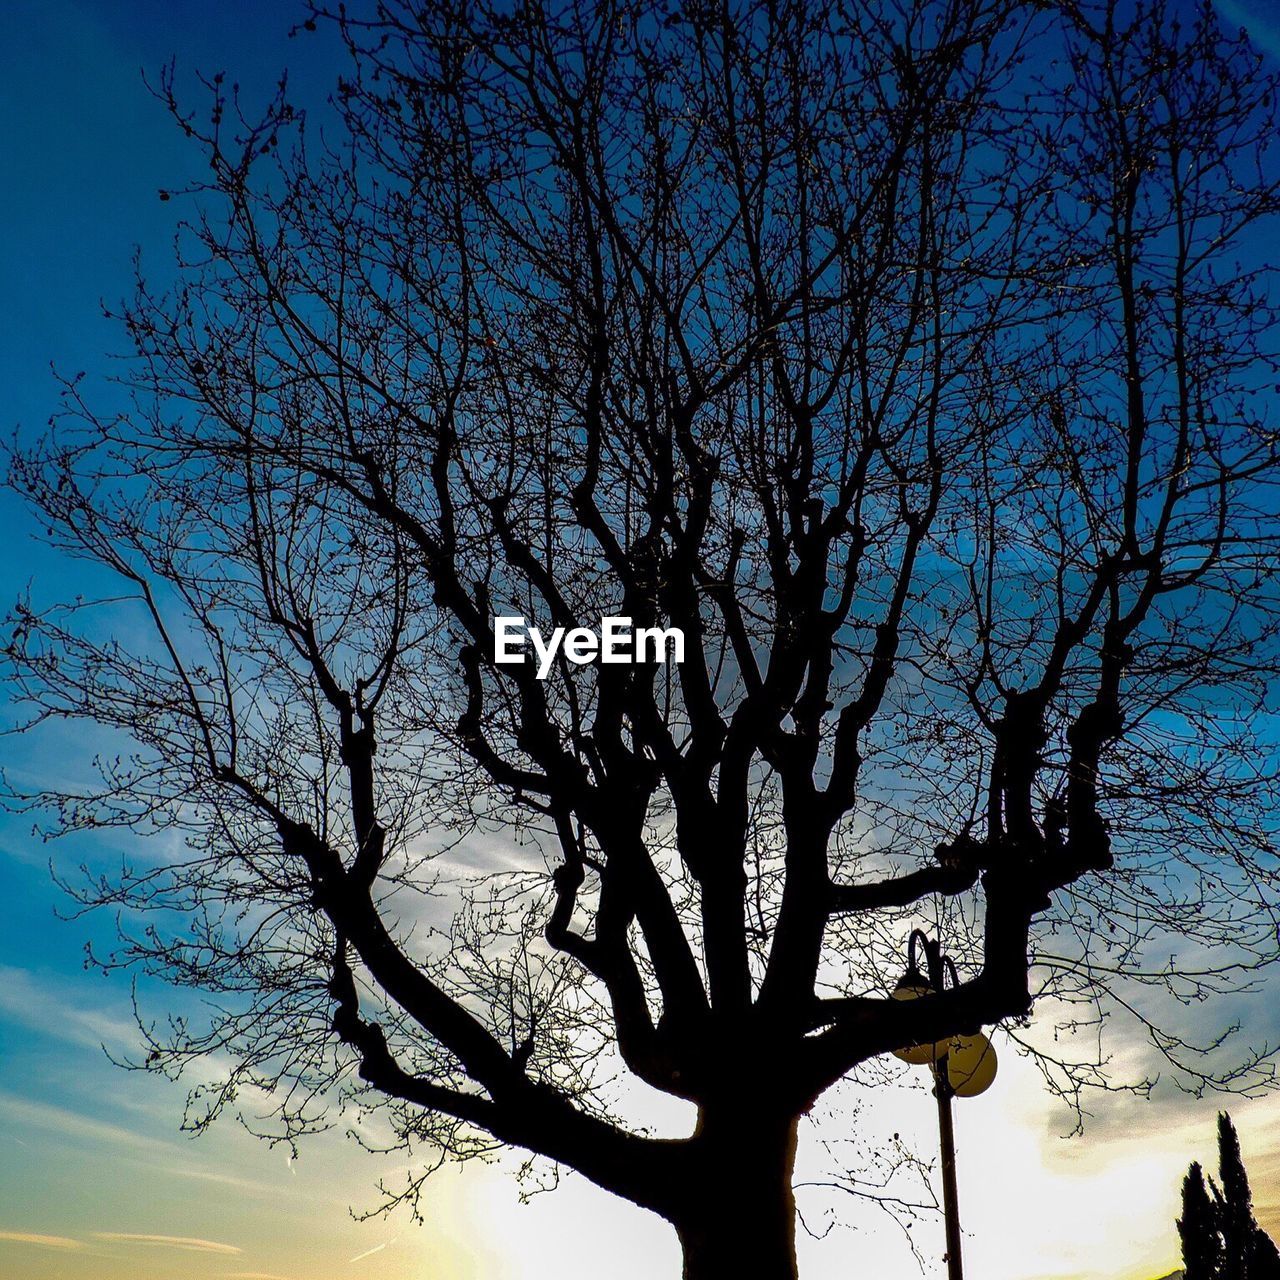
[190,1243]
[40,1241]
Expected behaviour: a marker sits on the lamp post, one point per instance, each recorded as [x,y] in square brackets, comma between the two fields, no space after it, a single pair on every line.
[963,1066]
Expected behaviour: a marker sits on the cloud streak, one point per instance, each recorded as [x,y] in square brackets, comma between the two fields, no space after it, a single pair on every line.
[42,1006]
[190,1243]
[377,1248]
[73,1124]
[41,1242]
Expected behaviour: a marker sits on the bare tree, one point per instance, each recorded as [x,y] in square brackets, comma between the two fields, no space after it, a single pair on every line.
[911,359]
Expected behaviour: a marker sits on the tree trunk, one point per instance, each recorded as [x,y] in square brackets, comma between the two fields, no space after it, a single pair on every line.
[740,1211]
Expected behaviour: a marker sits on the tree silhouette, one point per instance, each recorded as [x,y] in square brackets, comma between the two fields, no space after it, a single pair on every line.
[1235,1204]
[1198,1227]
[1264,1257]
[1221,1239]
[911,359]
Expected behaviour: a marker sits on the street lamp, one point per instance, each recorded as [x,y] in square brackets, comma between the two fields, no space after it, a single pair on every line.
[962,1066]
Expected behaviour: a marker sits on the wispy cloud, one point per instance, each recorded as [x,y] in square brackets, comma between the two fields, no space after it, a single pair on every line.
[1265,33]
[43,1242]
[33,1001]
[72,1124]
[252,1186]
[192,1243]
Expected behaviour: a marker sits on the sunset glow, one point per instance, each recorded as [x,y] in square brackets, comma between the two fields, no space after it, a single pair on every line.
[99,1180]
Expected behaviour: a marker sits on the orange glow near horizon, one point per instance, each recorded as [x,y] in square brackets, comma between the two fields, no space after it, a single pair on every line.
[104,1188]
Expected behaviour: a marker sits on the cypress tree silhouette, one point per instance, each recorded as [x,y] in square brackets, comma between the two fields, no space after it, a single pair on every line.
[1221,1239]
[1235,1203]
[1264,1257]
[1198,1227]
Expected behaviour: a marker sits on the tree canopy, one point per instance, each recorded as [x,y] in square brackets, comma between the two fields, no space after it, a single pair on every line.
[914,360]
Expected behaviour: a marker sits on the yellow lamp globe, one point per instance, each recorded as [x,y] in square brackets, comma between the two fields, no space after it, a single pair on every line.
[918,1055]
[911,986]
[971,1065]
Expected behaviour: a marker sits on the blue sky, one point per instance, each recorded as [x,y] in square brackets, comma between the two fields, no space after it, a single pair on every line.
[95,1179]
